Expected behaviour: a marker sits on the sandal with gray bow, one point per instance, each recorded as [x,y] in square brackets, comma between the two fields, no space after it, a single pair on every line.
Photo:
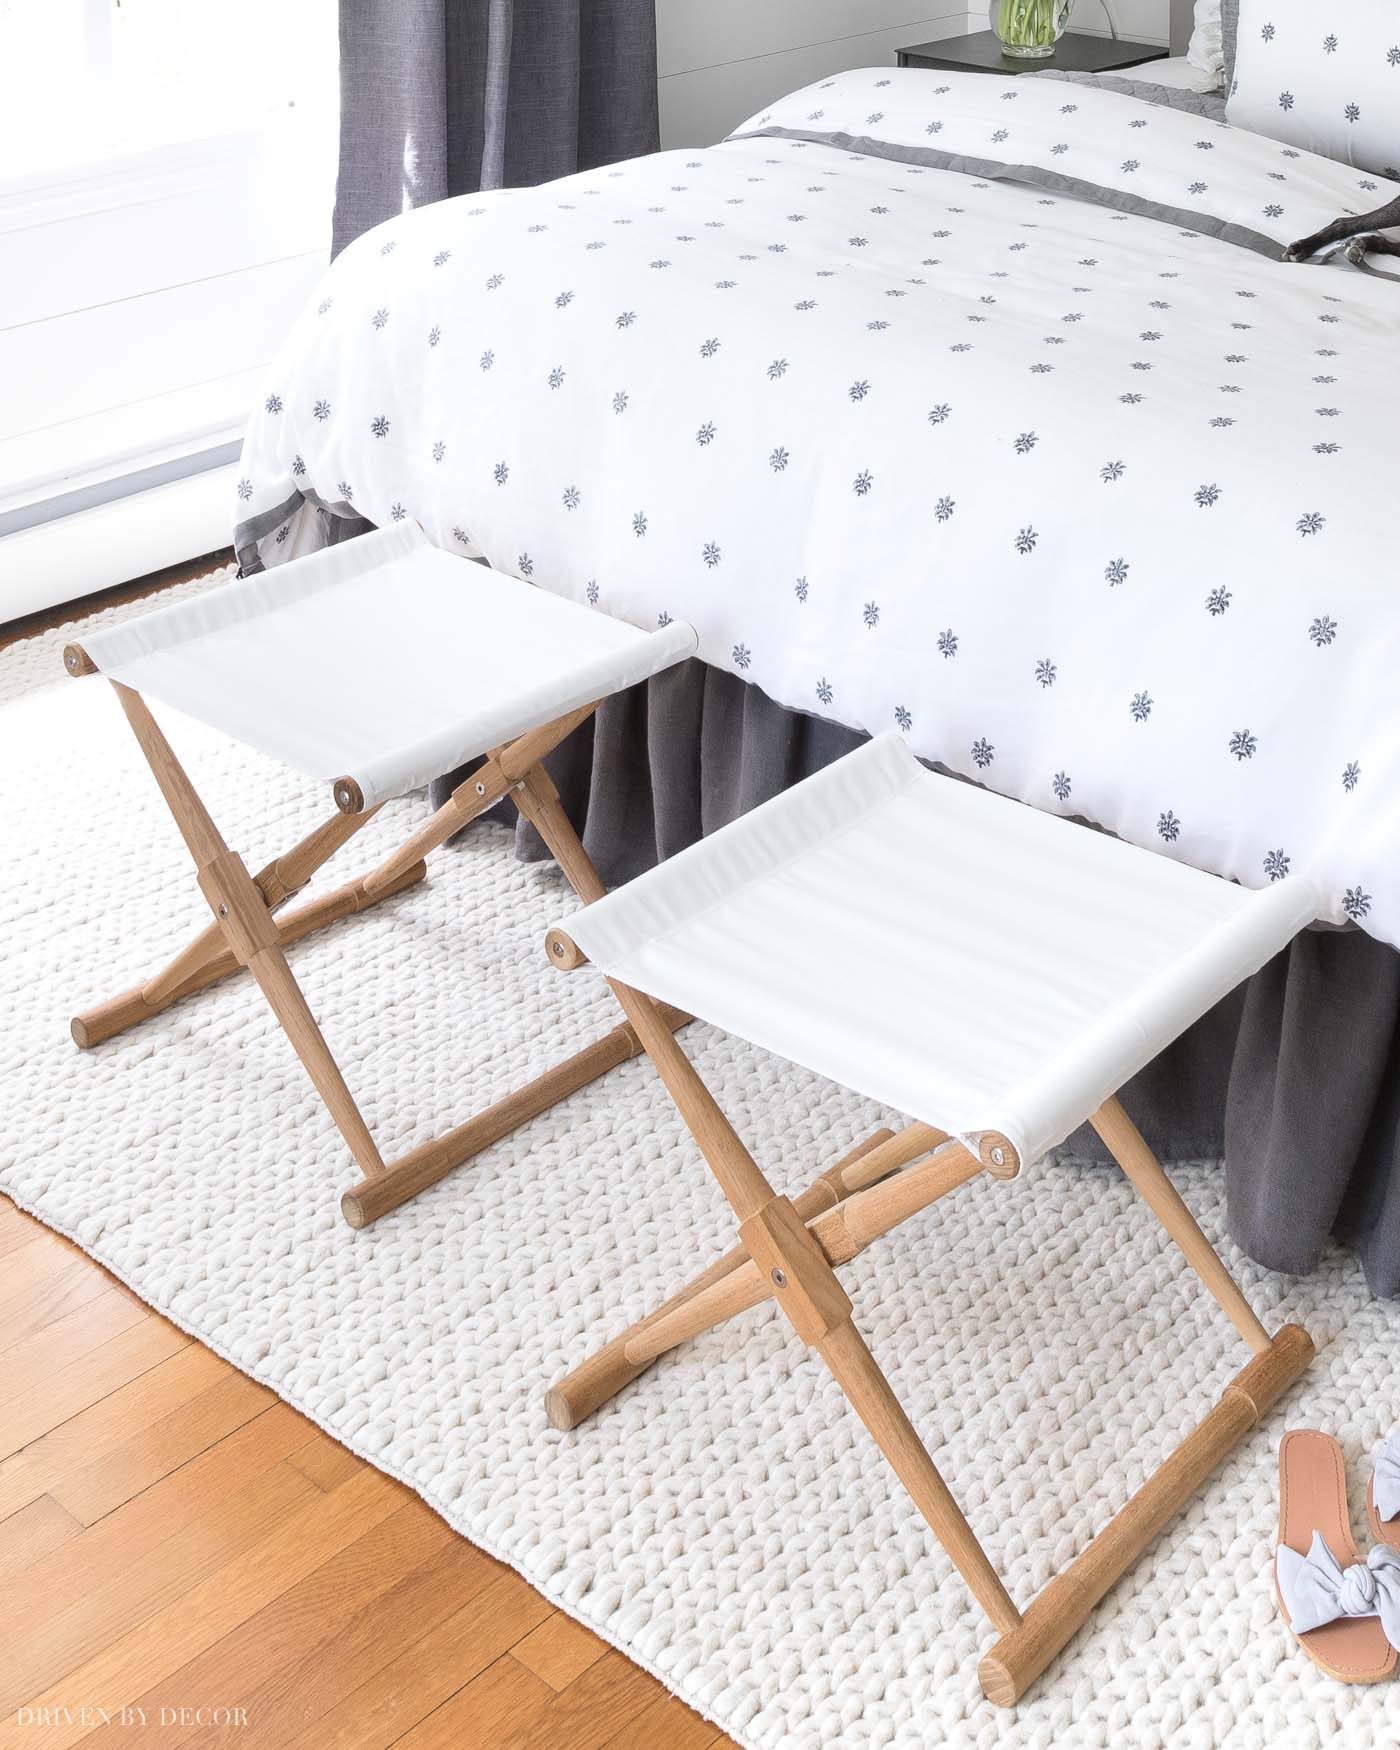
[1383,1495]
[1344,1612]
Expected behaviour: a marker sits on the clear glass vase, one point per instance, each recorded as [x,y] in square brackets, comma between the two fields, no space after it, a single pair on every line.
[1029,29]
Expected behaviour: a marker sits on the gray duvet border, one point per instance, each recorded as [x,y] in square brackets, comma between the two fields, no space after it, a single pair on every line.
[998,170]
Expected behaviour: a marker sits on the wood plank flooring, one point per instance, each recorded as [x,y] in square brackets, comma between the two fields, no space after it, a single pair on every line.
[175,1539]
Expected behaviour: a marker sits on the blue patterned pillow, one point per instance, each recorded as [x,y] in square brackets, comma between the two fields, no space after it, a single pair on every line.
[1326,78]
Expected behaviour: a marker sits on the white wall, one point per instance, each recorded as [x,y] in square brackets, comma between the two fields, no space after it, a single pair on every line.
[721,60]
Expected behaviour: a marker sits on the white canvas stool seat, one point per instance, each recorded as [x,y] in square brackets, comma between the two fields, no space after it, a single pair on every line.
[993,972]
[948,952]
[376,666]
[383,660]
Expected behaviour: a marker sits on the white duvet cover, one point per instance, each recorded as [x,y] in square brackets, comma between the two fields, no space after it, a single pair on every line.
[981,408]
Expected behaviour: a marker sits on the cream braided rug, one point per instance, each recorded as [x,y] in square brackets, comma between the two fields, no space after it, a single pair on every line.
[725,1521]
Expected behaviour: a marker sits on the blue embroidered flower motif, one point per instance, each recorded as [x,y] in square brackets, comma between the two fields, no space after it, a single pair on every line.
[442,256]
[1046,671]
[742,656]
[379,426]
[1168,827]
[1112,471]
[1025,443]
[1351,775]
[1323,630]
[556,377]
[245,489]
[1026,541]
[858,391]
[388,248]
[322,410]
[496,281]
[708,348]
[800,588]
[590,590]
[526,565]
[619,401]
[639,524]
[344,488]
[397,512]
[572,498]
[711,554]
[439,450]
[862,483]
[273,404]
[937,415]
[983,753]
[1276,865]
[1116,572]
[1141,707]
[324,305]
[298,467]
[434,336]
[706,434]
[1243,745]
[1131,399]
[824,692]
[870,615]
[1268,33]
[1285,100]
[1218,600]
[948,643]
[1207,496]
[500,473]
[460,534]
[778,368]
[1352,112]
[1356,903]
[944,509]
[904,719]
[1329,44]
[563,301]
[380,318]
[1311,523]
[778,460]
[1061,786]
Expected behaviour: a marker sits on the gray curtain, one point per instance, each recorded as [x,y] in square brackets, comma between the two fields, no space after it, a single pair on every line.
[445,97]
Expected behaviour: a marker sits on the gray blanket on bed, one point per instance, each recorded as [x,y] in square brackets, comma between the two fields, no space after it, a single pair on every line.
[1210,104]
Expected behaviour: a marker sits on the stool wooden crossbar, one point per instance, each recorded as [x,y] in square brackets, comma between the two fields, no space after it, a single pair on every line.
[387,598]
[769,930]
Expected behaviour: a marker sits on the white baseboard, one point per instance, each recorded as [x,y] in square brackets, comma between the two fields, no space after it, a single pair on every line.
[112,543]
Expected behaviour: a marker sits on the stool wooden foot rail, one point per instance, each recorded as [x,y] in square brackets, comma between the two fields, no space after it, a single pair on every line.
[788,1250]
[244,933]
[1058,1612]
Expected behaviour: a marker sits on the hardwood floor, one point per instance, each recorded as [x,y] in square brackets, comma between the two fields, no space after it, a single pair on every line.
[174,1539]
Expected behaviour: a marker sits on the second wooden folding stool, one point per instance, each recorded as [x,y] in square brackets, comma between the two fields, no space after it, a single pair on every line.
[376,666]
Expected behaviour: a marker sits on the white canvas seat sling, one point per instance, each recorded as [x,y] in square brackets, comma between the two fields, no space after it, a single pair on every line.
[997,974]
[375,665]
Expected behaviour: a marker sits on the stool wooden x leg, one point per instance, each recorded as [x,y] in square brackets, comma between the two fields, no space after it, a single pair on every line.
[788,1251]
[245,933]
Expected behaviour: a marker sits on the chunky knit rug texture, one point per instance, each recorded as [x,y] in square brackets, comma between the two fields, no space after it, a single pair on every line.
[725,1521]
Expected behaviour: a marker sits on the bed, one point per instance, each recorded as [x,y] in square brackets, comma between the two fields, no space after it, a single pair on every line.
[979,408]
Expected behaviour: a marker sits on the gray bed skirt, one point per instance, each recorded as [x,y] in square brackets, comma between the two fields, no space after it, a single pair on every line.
[1294,1079]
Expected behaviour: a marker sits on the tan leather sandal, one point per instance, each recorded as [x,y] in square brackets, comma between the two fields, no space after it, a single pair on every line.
[1383,1493]
[1332,1600]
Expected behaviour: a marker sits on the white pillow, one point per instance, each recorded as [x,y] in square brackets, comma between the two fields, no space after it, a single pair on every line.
[1326,78]
[1205,51]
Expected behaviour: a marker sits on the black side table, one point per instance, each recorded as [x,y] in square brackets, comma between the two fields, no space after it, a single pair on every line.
[1074,53]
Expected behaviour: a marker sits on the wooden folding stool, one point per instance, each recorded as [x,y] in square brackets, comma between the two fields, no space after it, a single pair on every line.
[376,665]
[994,971]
